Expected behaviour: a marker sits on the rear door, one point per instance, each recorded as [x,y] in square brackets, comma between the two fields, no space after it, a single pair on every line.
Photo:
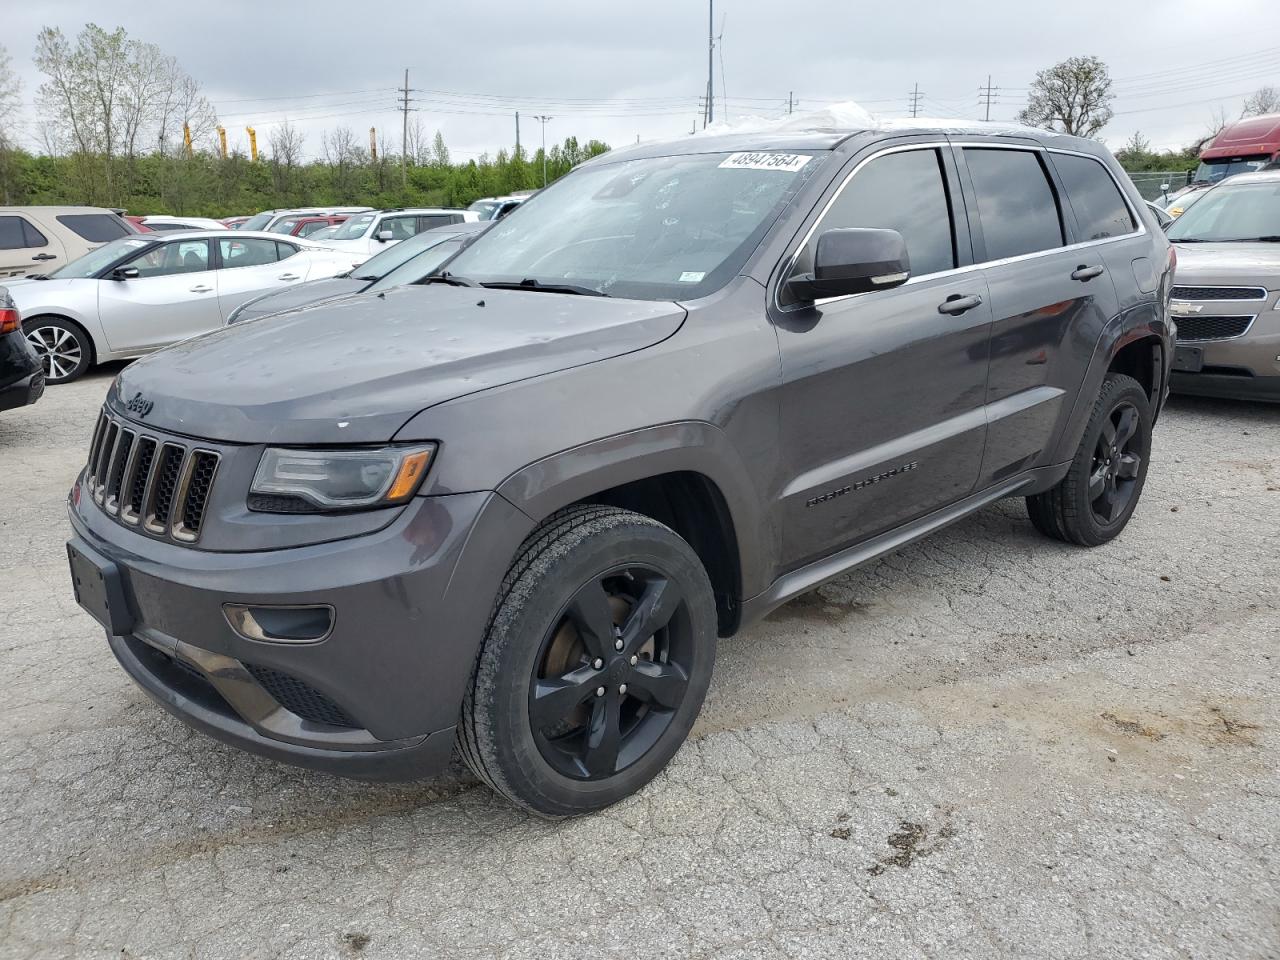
[175,296]
[882,397]
[249,266]
[1050,298]
[25,248]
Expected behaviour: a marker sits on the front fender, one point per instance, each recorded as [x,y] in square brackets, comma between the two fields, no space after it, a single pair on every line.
[689,446]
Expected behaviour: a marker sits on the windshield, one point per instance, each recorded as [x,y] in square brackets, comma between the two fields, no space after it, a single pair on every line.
[485,208]
[95,261]
[415,268]
[377,267]
[1232,211]
[663,228]
[354,228]
[1211,171]
[257,222]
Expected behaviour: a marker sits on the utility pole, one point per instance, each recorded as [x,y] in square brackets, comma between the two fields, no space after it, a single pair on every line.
[517,133]
[404,132]
[914,97]
[987,94]
[791,101]
[543,120]
[711,63]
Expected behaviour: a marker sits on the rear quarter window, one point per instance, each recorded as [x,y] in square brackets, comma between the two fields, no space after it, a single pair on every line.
[1095,199]
[17,233]
[1016,202]
[95,227]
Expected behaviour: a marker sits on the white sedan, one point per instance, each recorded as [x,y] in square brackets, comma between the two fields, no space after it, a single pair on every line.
[146,291]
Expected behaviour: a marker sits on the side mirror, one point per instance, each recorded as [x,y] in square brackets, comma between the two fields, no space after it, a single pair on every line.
[125,273]
[852,260]
[1164,188]
[385,235]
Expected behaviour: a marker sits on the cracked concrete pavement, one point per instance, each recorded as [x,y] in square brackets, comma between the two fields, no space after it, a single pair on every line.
[986,745]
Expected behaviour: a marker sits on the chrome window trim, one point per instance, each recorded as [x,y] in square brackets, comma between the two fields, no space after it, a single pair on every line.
[968,268]
[1243,333]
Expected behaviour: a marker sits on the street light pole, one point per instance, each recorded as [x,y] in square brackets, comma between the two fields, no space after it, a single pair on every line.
[543,120]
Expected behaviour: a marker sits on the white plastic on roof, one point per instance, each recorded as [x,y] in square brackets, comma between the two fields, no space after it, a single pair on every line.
[849,117]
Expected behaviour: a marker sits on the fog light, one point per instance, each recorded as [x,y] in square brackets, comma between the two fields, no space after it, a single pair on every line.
[300,624]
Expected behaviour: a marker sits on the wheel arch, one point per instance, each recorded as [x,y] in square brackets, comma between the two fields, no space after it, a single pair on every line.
[686,475]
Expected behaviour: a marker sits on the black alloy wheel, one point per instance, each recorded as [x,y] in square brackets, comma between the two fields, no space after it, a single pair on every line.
[1117,463]
[611,673]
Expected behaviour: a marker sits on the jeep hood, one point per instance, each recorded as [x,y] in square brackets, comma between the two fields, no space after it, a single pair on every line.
[355,370]
[1234,264]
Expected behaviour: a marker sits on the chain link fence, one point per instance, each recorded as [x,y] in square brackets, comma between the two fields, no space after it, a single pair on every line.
[1152,183]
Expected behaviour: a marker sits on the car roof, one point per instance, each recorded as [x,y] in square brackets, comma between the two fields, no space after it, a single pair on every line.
[55,209]
[1257,176]
[418,210]
[829,129]
[212,234]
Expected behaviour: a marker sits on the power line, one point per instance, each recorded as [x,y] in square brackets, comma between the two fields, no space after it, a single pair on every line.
[987,95]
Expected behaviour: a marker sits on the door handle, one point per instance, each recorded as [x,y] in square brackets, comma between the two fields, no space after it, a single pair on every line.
[287,276]
[1085,273]
[44,256]
[201,288]
[957,304]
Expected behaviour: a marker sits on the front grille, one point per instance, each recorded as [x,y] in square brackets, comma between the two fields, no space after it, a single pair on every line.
[1219,293]
[300,698]
[160,485]
[1199,328]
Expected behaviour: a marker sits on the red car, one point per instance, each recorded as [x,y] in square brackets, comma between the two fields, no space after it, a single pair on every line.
[304,225]
[138,225]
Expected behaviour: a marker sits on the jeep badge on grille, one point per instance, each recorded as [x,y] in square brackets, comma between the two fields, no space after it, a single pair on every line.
[139,405]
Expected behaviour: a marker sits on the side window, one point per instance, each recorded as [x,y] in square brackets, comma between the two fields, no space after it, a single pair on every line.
[1099,208]
[33,236]
[436,220]
[12,234]
[168,259]
[402,228]
[285,250]
[309,228]
[906,192]
[95,227]
[247,252]
[1015,201]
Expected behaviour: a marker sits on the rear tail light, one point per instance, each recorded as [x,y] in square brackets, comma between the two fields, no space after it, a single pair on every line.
[10,322]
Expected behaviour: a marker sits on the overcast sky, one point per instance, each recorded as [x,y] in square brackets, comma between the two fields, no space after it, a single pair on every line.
[615,71]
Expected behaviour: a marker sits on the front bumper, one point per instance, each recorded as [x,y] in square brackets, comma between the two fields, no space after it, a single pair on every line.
[409,602]
[1238,386]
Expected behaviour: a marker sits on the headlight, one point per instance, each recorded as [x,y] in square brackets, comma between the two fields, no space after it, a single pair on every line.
[316,481]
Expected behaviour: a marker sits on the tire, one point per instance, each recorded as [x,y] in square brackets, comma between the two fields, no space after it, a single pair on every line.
[1094,501]
[535,725]
[64,348]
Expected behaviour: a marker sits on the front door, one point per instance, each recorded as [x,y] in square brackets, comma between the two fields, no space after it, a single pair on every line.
[882,400]
[174,296]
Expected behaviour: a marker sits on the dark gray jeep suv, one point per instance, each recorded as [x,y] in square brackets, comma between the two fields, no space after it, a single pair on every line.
[513,506]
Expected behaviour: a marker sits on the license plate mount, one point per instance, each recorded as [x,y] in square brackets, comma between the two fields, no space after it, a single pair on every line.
[1188,359]
[99,589]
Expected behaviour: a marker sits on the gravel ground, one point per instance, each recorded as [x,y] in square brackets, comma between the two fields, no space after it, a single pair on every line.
[986,745]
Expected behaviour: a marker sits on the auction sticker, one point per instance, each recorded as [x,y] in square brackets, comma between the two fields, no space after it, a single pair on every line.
[786,162]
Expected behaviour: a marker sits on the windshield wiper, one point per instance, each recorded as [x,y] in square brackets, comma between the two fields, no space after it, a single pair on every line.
[1187,240]
[450,278]
[531,283]
[361,276]
[1269,238]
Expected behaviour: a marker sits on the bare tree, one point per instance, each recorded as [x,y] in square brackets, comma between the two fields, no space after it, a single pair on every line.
[286,143]
[10,98]
[343,154]
[1073,97]
[1261,101]
[1217,123]
[419,146]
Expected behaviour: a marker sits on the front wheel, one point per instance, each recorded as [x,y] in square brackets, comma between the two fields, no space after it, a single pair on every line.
[63,348]
[1095,500]
[595,663]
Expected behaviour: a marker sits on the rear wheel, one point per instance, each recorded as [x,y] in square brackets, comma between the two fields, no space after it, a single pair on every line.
[62,346]
[1096,498]
[595,663]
